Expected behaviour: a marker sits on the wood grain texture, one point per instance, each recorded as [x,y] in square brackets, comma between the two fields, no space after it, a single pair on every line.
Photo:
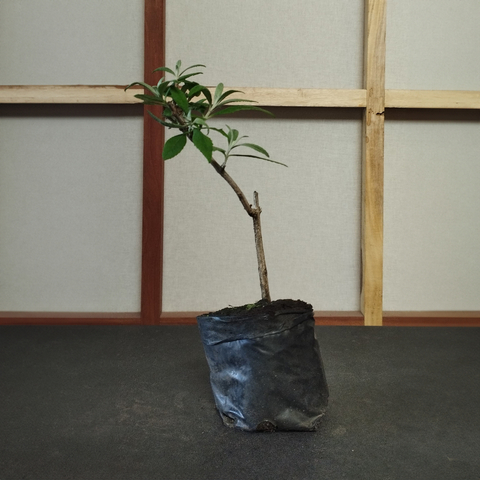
[115,94]
[153,171]
[448,99]
[267,97]
[373,156]
[67,94]
[302,97]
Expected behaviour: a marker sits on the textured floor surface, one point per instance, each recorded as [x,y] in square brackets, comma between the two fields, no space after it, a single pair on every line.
[135,403]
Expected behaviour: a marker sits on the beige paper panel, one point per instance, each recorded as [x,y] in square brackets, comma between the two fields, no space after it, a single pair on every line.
[70,208]
[432,221]
[56,42]
[305,44]
[433,45]
[311,217]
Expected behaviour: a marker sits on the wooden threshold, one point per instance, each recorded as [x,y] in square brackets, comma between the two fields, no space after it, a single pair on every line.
[68,318]
[325,318]
[432,319]
[321,318]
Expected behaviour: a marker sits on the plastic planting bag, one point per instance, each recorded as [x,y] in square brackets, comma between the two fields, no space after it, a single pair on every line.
[266,371]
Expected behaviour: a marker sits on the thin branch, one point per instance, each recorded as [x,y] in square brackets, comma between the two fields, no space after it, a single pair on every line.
[253,212]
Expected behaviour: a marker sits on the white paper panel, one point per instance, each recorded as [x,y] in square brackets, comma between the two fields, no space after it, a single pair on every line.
[56,42]
[433,45]
[432,221]
[311,217]
[304,44]
[70,208]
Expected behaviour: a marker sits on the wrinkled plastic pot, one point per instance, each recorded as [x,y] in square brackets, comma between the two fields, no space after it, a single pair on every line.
[266,370]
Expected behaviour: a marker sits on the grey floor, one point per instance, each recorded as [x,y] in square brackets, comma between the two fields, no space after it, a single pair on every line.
[135,403]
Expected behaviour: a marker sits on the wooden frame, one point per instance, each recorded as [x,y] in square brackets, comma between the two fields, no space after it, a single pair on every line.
[373,99]
[267,97]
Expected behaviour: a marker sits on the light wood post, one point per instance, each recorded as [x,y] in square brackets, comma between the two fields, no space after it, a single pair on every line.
[372,168]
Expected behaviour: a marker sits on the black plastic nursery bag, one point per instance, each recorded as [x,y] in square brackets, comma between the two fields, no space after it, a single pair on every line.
[266,370]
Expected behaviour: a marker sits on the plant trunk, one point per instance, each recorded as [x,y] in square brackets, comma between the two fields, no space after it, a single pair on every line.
[262,264]
[253,212]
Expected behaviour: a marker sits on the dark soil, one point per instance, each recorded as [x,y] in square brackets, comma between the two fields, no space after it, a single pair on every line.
[263,307]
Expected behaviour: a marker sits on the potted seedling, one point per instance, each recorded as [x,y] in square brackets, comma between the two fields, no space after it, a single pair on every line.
[265,365]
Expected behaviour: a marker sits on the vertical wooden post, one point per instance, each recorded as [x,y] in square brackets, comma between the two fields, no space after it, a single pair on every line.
[372,168]
[153,133]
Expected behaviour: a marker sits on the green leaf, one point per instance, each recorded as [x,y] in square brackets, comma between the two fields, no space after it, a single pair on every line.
[238,108]
[144,85]
[229,92]
[219,130]
[235,134]
[173,146]
[201,121]
[165,124]
[258,148]
[164,69]
[149,100]
[180,99]
[218,93]
[208,95]
[193,66]
[162,87]
[184,77]
[196,90]
[203,143]
[177,67]
[235,100]
[217,149]
[260,158]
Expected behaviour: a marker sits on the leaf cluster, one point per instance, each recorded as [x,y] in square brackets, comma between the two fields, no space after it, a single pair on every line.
[188,106]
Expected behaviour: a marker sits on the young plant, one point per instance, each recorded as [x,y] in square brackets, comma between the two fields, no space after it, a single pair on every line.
[188,107]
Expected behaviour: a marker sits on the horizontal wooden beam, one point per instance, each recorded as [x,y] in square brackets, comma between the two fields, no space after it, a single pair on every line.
[71,94]
[268,97]
[304,97]
[112,94]
[449,99]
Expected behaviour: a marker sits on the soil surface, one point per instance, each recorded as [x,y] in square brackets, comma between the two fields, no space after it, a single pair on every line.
[263,307]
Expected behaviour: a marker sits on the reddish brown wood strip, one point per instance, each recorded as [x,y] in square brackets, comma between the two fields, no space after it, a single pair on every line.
[339,318]
[321,318]
[431,319]
[67,318]
[152,229]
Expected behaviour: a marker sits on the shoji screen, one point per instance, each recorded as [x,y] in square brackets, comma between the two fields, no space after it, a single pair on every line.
[432,168]
[311,210]
[70,175]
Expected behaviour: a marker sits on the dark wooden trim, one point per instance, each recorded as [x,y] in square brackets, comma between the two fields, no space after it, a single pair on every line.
[153,176]
[321,318]
[179,318]
[67,318]
[432,319]
[339,318]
